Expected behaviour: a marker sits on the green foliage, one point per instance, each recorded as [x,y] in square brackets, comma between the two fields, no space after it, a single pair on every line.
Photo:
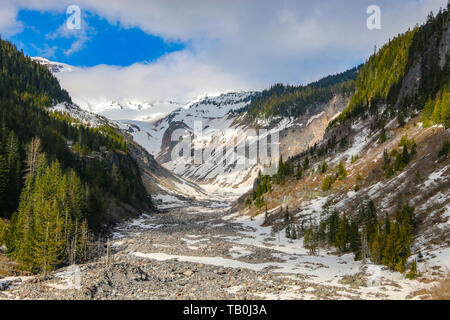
[288,231]
[341,173]
[343,234]
[323,167]
[23,79]
[287,217]
[311,239]
[354,159]
[382,71]
[294,101]
[386,241]
[412,274]
[3,228]
[383,137]
[51,209]
[48,199]
[328,182]
[262,186]
[396,161]
[355,239]
[333,228]
[24,116]
[306,163]
[299,172]
[380,79]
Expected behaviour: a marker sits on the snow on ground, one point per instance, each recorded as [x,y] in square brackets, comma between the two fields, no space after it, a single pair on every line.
[314,117]
[86,118]
[291,258]
[144,222]
[436,176]
[165,201]
[360,141]
[69,279]
[10,282]
[238,252]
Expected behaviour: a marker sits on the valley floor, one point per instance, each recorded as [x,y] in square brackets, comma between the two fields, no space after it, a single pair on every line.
[202,251]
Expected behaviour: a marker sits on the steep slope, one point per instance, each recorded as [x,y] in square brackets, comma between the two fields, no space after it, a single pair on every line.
[377,185]
[36,111]
[157,180]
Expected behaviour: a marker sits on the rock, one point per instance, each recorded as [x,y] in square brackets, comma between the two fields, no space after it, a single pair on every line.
[188,273]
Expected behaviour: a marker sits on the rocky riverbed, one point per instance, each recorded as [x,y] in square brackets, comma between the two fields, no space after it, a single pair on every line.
[202,250]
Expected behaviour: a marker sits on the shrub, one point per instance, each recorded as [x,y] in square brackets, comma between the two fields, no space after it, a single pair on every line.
[327,182]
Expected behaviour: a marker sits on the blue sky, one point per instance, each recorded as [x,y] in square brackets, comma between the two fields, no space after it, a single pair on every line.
[102,43]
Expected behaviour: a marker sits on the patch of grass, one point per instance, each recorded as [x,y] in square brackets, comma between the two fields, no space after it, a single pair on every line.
[441,291]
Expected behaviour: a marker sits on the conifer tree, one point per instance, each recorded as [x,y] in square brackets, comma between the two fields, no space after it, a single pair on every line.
[342,236]
[4,177]
[355,239]
[341,172]
[333,226]
[412,274]
[15,170]
[306,163]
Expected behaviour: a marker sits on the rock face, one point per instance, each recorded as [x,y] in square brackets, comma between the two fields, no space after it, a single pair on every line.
[311,128]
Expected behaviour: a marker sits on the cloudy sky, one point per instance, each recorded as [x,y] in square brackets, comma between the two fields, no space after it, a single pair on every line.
[180,49]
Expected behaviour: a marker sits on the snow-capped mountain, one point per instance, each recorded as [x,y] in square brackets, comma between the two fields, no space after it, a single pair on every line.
[126,108]
[133,109]
[215,130]
[54,67]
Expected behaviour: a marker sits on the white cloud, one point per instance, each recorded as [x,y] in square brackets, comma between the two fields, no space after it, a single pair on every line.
[236,44]
[46,51]
[8,19]
[178,76]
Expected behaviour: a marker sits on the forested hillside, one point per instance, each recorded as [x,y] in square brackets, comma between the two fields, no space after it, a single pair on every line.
[58,178]
[293,101]
[417,53]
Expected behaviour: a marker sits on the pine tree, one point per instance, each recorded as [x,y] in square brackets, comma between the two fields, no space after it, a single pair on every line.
[355,239]
[306,163]
[34,154]
[287,217]
[342,236]
[383,137]
[293,232]
[310,240]
[364,245]
[4,177]
[341,172]
[288,231]
[412,274]
[333,226]
[3,228]
[48,245]
[324,167]
[15,170]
